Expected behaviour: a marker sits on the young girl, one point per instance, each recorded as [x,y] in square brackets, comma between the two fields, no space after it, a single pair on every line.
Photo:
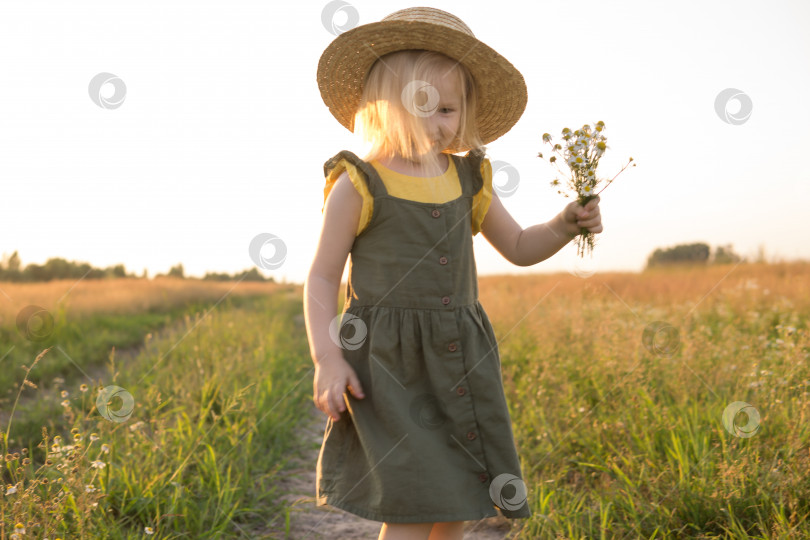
[425,442]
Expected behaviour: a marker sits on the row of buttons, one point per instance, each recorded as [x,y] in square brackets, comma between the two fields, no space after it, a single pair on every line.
[452,348]
[442,260]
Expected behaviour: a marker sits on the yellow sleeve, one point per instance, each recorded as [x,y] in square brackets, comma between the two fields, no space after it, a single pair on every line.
[483,198]
[359,185]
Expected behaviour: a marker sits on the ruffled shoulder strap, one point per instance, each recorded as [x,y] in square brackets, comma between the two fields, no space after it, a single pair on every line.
[373,182]
[470,167]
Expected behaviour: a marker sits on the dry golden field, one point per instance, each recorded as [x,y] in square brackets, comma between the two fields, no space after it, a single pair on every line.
[125,295]
[618,384]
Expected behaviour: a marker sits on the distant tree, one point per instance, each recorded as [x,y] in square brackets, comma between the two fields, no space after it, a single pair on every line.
[694,254]
[118,271]
[245,275]
[177,271]
[253,275]
[725,255]
[12,264]
[10,268]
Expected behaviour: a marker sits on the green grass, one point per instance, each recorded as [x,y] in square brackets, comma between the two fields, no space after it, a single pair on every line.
[616,441]
[214,419]
[77,345]
[619,442]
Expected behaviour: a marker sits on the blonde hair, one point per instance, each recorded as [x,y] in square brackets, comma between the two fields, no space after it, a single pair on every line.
[393,127]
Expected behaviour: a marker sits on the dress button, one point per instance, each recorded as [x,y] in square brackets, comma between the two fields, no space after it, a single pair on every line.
[452,347]
[435,213]
[445,300]
[442,260]
[471,435]
[460,390]
[483,477]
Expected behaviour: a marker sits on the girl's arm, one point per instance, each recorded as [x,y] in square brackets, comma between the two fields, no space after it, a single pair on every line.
[525,247]
[340,220]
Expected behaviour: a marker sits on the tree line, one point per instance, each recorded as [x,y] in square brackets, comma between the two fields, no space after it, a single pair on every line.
[58,268]
[11,269]
[697,253]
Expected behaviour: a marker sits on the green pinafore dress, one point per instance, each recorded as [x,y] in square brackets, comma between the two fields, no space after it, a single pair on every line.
[432,438]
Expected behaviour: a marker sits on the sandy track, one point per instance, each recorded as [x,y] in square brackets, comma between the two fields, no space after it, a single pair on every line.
[308,521]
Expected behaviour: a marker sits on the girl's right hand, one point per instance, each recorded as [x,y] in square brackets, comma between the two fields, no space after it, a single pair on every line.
[332,376]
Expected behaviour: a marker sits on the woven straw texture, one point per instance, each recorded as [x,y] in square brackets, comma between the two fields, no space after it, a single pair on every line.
[343,66]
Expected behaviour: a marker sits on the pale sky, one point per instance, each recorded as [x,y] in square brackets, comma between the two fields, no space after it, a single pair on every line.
[222,133]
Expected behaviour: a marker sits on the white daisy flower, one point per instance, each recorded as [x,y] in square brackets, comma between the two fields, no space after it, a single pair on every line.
[572,161]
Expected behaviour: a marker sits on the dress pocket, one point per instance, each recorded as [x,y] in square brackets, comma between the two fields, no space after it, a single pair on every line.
[334,449]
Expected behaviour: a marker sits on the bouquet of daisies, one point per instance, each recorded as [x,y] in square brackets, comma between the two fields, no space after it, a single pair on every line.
[581,150]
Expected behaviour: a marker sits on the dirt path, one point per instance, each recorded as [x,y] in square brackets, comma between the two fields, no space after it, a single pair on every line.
[308,521]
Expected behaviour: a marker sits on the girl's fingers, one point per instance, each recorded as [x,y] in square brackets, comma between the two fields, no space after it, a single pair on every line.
[323,402]
[332,410]
[336,401]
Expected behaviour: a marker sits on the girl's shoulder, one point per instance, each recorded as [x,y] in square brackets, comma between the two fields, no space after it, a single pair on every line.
[342,158]
[345,164]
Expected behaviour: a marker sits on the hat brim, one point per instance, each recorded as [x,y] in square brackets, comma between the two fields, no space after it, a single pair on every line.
[343,67]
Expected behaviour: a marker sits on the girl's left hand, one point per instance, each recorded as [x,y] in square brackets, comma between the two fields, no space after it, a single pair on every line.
[576,216]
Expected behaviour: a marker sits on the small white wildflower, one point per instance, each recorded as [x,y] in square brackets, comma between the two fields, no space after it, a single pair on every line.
[148,530]
[97,464]
[576,161]
[11,490]
[586,190]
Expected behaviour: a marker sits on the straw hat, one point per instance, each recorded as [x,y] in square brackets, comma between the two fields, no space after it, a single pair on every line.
[345,63]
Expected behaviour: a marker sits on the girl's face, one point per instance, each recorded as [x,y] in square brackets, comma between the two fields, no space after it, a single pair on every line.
[443,123]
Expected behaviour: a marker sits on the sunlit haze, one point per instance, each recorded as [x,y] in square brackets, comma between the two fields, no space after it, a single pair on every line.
[222,134]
